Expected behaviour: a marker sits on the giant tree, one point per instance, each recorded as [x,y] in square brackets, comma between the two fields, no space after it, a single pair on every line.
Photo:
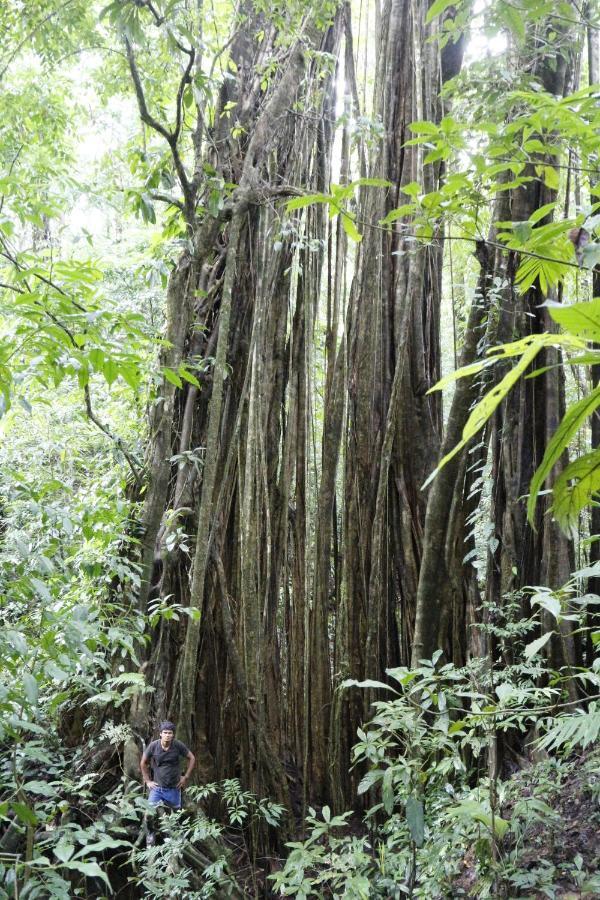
[392,346]
[220,461]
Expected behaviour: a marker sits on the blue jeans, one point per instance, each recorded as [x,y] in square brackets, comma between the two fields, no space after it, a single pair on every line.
[170,796]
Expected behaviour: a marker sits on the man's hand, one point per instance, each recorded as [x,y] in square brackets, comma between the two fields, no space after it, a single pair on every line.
[182,781]
[151,785]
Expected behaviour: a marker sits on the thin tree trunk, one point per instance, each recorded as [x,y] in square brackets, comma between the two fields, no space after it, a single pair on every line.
[434,598]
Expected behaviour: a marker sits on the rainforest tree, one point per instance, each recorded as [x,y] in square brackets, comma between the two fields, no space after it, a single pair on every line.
[244,247]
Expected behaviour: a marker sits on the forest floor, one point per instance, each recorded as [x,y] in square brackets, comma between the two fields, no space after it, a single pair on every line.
[560,847]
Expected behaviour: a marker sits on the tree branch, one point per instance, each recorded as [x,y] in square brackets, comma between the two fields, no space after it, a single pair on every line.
[11,287]
[184,80]
[166,198]
[48,281]
[139,93]
[88,401]
[170,137]
[158,19]
[106,430]
[81,50]
[469,240]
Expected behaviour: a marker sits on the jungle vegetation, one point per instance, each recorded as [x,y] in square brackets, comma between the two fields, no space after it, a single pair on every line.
[299,390]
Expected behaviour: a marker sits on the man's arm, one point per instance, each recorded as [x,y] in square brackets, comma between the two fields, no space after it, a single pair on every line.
[191,763]
[145,770]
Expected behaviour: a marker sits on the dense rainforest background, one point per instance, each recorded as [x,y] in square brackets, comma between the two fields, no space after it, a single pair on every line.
[299,384]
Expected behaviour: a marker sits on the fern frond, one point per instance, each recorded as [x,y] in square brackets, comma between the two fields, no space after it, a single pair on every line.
[580,728]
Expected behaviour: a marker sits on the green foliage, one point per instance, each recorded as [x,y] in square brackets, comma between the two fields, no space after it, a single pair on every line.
[336,202]
[51,31]
[58,325]
[70,858]
[422,757]
[70,649]
[437,8]
[59,547]
[241,807]
[164,869]
[575,416]
[577,484]
[56,319]
[527,138]
[549,248]
[527,348]
[578,729]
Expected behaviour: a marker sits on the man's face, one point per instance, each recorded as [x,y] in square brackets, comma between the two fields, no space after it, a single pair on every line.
[167,736]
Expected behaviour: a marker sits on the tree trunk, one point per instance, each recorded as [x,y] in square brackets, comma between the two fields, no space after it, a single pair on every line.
[392,351]
[218,672]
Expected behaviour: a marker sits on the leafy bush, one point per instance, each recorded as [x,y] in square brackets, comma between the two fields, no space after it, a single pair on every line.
[440,821]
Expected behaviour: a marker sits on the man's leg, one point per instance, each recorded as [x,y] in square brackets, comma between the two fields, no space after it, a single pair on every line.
[170,798]
[155,802]
[160,800]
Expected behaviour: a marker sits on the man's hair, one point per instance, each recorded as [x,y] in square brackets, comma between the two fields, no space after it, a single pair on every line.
[166,726]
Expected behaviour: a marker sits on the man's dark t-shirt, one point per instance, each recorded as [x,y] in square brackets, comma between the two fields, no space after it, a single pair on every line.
[165,765]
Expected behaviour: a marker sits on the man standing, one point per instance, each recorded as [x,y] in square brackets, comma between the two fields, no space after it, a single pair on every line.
[164,757]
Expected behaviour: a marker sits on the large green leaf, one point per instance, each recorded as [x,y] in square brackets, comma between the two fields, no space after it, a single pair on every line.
[437,8]
[64,850]
[24,813]
[591,358]
[423,127]
[581,319]
[350,228]
[89,869]
[471,810]
[515,348]
[550,176]
[591,255]
[387,791]
[535,646]
[104,843]
[486,406]
[42,788]
[528,348]
[574,489]
[31,688]
[463,372]
[306,200]
[406,209]
[514,19]
[415,818]
[581,727]
[575,416]
[543,211]
[368,683]
[548,272]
